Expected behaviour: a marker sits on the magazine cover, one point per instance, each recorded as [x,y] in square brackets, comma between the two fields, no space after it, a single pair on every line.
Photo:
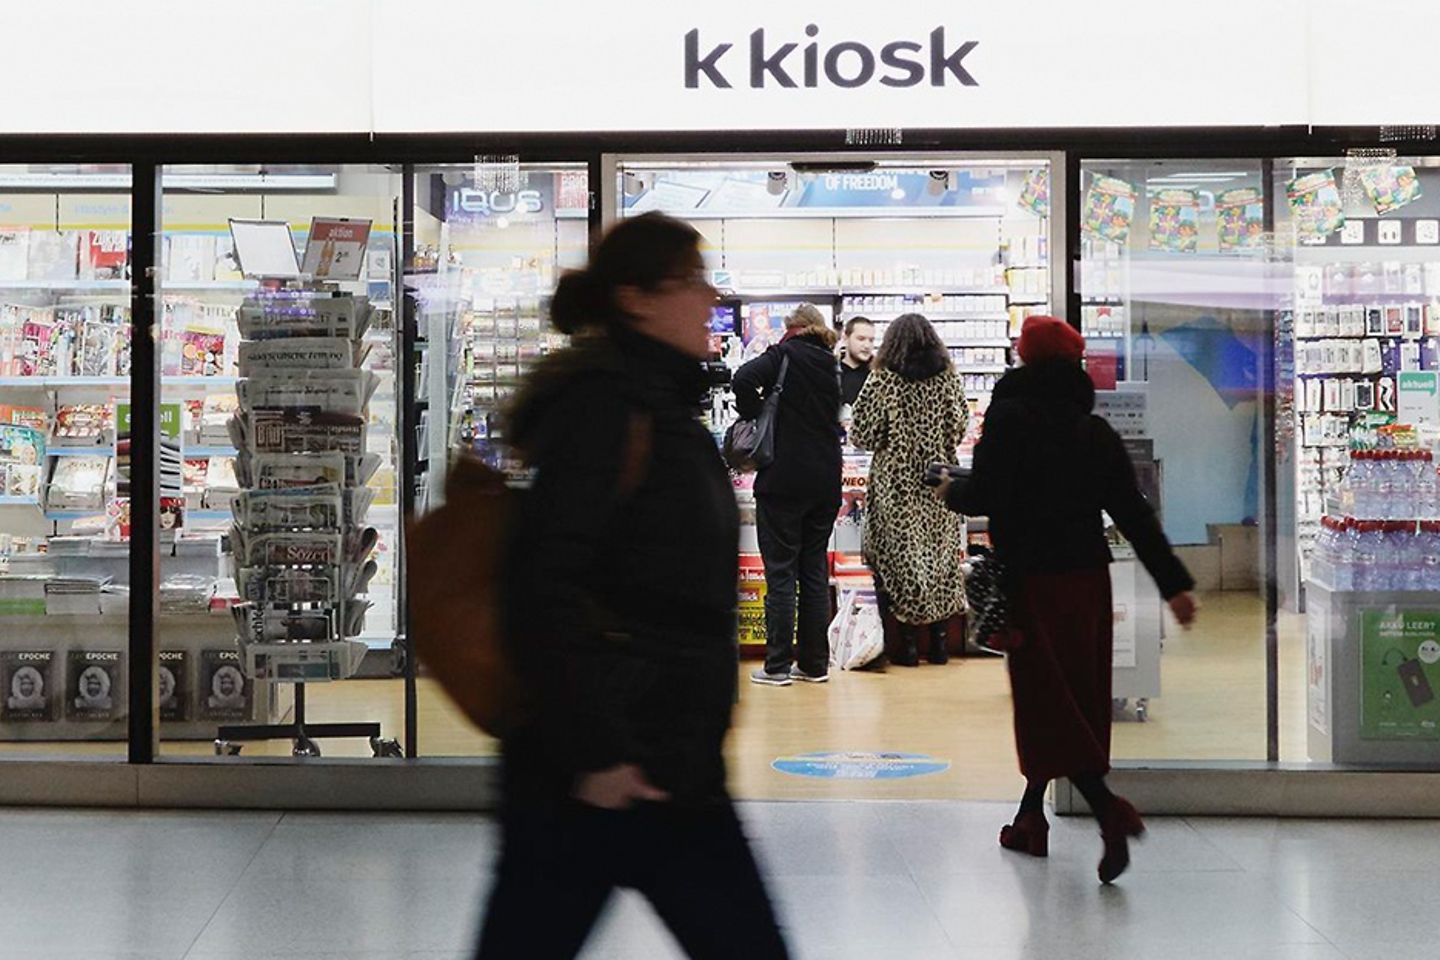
[1035,192]
[35,348]
[1175,221]
[174,685]
[94,689]
[14,253]
[1315,203]
[224,691]
[202,353]
[54,255]
[1109,209]
[1390,188]
[1241,216]
[27,686]
[103,254]
[23,445]
[97,350]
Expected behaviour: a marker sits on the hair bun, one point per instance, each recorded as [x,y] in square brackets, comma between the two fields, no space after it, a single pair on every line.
[579,302]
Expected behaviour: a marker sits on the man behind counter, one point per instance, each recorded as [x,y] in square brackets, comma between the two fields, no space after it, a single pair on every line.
[859,350]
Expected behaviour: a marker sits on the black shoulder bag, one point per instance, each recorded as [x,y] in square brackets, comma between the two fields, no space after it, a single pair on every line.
[750,444]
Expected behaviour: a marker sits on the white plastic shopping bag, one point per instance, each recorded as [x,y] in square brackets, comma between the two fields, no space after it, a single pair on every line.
[856,634]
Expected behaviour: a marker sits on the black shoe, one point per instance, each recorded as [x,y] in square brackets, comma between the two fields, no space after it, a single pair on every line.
[908,655]
[937,653]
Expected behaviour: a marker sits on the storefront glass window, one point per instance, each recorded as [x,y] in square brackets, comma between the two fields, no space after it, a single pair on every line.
[279,462]
[490,242]
[1358,423]
[64,373]
[1176,302]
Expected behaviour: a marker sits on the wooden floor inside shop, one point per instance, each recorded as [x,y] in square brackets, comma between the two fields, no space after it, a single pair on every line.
[1212,707]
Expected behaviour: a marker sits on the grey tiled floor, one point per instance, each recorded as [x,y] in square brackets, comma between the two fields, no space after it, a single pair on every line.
[851,880]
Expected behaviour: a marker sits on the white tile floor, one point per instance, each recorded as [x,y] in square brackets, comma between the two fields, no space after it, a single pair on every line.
[851,880]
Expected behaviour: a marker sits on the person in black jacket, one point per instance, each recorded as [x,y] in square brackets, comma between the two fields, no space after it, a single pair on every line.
[623,616]
[797,496]
[1044,469]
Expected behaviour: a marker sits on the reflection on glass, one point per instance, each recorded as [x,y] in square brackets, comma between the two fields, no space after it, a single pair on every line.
[278,484]
[64,375]
[488,252]
[1176,292]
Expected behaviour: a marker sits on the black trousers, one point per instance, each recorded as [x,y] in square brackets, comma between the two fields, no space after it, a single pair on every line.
[795,545]
[557,870]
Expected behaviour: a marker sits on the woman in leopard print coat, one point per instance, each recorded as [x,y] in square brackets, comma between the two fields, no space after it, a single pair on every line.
[911,413]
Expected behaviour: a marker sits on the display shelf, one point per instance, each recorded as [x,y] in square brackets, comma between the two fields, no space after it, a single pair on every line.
[73,514]
[203,452]
[980,342]
[99,450]
[1029,301]
[996,368]
[785,293]
[66,285]
[201,383]
[209,516]
[8,501]
[240,285]
[56,383]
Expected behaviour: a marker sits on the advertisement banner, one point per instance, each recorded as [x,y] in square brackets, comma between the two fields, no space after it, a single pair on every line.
[1399,672]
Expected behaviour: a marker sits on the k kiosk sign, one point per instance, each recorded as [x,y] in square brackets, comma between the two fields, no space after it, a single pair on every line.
[657,65]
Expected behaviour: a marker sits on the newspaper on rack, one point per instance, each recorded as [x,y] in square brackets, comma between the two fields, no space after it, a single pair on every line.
[275,471]
[290,585]
[287,315]
[258,357]
[307,548]
[332,391]
[304,430]
[257,624]
[311,508]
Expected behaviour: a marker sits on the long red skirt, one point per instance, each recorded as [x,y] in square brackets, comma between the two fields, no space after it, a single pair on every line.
[1060,673]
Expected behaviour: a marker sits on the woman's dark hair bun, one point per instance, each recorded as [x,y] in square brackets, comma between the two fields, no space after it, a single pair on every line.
[579,302]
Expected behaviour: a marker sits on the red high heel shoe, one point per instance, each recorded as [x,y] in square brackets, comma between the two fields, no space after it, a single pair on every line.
[1121,822]
[1030,833]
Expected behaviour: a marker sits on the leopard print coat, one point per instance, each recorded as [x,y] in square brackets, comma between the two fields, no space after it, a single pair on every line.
[912,542]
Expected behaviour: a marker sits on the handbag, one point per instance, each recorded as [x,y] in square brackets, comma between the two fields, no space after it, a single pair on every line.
[750,444]
[988,625]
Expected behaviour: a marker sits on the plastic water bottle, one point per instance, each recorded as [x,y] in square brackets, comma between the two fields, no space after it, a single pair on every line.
[1369,543]
[1361,477]
[1343,553]
[1430,554]
[1425,487]
[1383,486]
[1412,559]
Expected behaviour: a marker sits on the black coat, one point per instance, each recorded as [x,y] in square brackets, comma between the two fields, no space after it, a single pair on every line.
[627,602]
[1045,467]
[807,431]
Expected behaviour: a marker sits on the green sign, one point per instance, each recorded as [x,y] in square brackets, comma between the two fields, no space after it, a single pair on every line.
[1400,675]
[169,419]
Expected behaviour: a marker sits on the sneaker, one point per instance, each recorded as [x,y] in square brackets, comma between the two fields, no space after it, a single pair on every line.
[797,674]
[771,679]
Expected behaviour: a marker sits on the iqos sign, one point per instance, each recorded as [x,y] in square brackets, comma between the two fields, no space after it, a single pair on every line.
[848,64]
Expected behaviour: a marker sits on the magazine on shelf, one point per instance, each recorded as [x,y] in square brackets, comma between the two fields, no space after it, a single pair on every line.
[224,691]
[94,689]
[258,357]
[78,483]
[27,686]
[298,430]
[54,255]
[14,253]
[174,678]
[191,258]
[23,480]
[103,254]
[83,424]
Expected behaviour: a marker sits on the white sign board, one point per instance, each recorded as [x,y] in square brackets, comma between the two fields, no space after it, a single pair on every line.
[1419,401]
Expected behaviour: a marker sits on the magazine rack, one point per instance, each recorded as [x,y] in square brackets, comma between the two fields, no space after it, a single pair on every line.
[300,545]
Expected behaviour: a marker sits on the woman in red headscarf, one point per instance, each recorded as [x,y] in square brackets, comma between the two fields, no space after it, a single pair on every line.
[1045,468]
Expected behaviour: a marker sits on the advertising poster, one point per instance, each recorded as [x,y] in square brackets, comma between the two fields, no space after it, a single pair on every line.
[174,685]
[1035,192]
[1315,203]
[1109,209]
[27,686]
[1241,218]
[752,600]
[764,325]
[1175,221]
[1390,188]
[94,690]
[336,248]
[224,692]
[1399,672]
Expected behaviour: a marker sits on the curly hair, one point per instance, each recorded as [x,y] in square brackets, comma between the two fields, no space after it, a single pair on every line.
[913,349]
